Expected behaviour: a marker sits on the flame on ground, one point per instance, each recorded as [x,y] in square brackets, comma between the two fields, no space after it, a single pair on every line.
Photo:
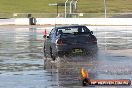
[84,73]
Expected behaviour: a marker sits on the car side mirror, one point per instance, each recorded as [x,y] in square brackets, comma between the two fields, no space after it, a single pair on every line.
[47,36]
[91,32]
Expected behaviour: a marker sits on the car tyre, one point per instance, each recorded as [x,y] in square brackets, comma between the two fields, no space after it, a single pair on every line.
[45,53]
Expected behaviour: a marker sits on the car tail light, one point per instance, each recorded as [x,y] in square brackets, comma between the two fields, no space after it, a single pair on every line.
[93,38]
[60,41]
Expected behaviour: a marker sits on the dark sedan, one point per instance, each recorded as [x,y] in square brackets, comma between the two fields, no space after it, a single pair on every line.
[69,40]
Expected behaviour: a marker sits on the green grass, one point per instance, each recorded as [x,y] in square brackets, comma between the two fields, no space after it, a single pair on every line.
[84,6]
[41,6]
[27,6]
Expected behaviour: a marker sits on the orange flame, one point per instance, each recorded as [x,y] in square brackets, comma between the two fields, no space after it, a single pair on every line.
[84,73]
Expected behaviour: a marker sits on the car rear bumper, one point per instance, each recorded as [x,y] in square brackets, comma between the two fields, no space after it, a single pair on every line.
[80,49]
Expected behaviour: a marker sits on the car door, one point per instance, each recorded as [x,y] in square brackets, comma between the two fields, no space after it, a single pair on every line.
[53,40]
[47,44]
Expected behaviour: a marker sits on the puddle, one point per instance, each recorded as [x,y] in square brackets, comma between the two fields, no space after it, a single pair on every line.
[22,63]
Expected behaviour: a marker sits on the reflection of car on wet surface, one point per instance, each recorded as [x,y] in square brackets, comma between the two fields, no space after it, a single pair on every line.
[68,40]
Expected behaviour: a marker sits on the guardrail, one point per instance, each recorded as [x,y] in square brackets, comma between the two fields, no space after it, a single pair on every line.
[61,15]
[69,21]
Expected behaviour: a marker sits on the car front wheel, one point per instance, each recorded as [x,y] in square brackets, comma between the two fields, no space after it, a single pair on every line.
[52,55]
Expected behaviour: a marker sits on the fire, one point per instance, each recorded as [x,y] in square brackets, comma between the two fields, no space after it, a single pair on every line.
[84,73]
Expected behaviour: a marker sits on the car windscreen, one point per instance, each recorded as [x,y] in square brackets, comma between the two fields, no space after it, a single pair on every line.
[73,30]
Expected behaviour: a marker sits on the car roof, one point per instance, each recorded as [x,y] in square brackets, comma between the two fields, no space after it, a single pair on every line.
[69,26]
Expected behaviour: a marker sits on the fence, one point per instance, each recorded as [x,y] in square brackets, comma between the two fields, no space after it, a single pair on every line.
[61,15]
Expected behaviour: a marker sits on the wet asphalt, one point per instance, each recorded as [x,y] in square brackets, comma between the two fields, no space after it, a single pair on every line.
[22,64]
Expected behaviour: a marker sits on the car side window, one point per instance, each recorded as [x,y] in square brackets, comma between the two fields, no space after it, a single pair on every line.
[51,35]
[86,29]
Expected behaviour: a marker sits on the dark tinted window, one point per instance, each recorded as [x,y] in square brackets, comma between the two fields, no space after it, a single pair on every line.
[51,35]
[73,29]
